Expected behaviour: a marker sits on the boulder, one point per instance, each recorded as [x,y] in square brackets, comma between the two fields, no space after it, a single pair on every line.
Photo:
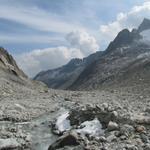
[69,139]
[112,126]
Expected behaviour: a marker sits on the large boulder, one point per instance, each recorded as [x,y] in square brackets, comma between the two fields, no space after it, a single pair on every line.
[68,139]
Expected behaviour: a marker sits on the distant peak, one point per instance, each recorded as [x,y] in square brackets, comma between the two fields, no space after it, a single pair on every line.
[145,25]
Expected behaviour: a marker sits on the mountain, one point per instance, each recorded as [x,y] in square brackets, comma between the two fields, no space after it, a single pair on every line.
[125,62]
[122,63]
[8,64]
[145,25]
[65,76]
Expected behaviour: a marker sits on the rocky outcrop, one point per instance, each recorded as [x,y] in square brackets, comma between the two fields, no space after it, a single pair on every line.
[119,130]
[8,64]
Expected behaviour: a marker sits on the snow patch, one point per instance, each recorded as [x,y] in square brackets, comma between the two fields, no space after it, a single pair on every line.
[63,123]
[93,128]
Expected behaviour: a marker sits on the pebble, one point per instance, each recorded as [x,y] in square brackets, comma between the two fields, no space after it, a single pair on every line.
[112,126]
[131,147]
[111,138]
[140,129]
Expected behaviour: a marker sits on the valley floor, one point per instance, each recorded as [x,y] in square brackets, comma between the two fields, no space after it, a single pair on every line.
[26,115]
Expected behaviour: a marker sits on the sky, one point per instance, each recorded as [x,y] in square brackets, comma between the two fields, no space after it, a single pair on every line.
[45,34]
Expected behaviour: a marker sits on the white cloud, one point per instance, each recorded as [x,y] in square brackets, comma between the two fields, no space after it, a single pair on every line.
[82,44]
[36,18]
[128,20]
[43,59]
[9,38]
[83,41]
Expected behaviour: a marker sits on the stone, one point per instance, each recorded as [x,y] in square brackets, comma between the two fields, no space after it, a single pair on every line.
[111,138]
[102,139]
[146,146]
[144,138]
[140,129]
[126,130]
[131,147]
[115,114]
[141,119]
[123,137]
[112,126]
[69,139]
[105,105]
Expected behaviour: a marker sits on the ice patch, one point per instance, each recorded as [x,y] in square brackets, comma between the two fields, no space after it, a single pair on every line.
[63,123]
[93,128]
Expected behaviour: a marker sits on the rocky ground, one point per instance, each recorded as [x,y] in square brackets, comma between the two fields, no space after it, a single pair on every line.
[37,118]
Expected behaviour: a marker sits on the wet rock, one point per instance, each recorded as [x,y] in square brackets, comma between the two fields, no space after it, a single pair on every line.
[69,139]
[112,126]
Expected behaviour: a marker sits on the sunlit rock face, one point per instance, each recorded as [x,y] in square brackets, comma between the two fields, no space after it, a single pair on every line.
[8,64]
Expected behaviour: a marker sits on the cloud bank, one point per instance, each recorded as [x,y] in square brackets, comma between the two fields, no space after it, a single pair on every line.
[43,59]
[82,44]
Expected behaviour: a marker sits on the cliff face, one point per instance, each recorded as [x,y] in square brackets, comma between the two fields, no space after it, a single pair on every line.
[8,64]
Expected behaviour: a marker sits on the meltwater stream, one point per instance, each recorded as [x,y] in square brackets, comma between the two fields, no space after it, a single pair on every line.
[39,130]
[42,137]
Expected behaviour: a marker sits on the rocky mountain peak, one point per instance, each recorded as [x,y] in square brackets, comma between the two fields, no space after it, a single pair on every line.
[125,37]
[145,25]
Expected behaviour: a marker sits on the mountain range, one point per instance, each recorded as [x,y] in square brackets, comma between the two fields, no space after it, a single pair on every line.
[125,61]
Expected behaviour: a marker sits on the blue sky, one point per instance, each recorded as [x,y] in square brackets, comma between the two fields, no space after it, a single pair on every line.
[89,14]
[29,25]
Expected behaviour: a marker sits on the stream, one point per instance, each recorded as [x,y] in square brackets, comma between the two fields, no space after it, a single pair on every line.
[39,129]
